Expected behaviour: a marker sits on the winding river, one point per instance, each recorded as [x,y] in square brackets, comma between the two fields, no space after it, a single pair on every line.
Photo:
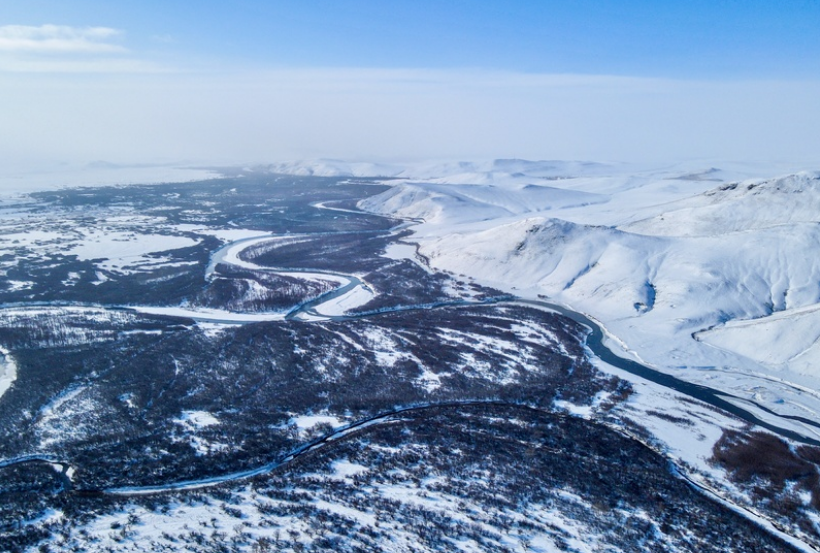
[595,342]
[325,306]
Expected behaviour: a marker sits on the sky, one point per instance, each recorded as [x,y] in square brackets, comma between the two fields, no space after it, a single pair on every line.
[262,81]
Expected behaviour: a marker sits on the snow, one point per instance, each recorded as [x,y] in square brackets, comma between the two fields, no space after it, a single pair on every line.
[17,285]
[687,431]
[191,422]
[32,237]
[659,256]
[306,422]
[400,251]
[340,305]
[784,340]
[23,180]
[584,411]
[332,168]
[121,251]
[307,275]
[49,516]
[124,244]
[345,469]
[209,315]
[324,205]
[226,235]
[63,418]
[230,253]
[196,420]
[361,517]
[8,371]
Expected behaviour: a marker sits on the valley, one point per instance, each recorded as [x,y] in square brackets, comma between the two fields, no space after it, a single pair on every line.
[263,353]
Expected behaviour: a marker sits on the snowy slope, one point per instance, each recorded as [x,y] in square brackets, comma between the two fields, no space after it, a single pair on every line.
[736,207]
[668,260]
[787,339]
[449,203]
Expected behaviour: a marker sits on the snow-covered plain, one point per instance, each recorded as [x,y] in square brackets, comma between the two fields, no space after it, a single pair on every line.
[123,251]
[126,243]
[707,272]
[687,270]
[36,177]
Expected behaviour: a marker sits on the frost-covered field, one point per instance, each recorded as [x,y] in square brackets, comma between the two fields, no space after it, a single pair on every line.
[711,274]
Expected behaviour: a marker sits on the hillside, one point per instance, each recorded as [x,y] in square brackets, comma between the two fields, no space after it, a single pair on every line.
[684,268]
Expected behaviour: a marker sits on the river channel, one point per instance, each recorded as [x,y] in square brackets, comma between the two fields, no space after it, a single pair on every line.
[316,309]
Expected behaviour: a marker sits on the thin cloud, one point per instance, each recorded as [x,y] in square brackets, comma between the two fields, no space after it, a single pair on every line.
[163,39]
[89,66]
[59,39]
[65,49]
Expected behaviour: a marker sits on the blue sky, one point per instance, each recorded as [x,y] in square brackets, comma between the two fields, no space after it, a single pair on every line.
[350,78]
[686,39]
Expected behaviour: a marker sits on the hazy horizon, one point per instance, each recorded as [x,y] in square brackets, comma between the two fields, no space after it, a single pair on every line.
[255,83]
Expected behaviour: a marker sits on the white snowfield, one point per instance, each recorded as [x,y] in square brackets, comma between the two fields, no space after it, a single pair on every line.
[124,252]
[8,370]
[712,274]
[34,177]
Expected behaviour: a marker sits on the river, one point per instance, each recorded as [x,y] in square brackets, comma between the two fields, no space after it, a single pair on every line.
[311,310]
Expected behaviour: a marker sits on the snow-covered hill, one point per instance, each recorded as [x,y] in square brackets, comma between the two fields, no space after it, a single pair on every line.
[697,270]
[750,205]
[467,172]
[331,168]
